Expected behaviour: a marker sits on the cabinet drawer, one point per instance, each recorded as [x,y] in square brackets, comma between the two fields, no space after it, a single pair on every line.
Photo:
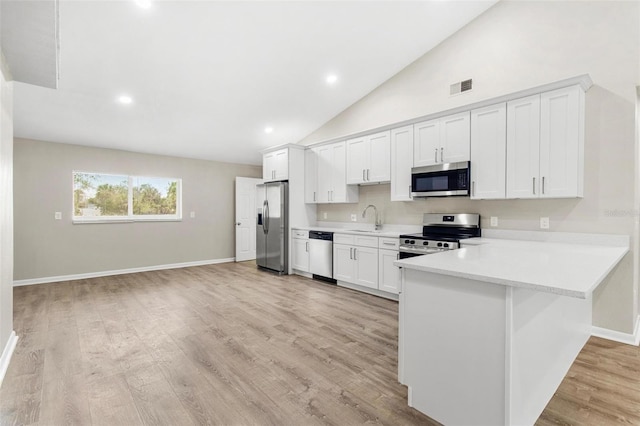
[366,241]
[300,234]
[343,239]
[388,243]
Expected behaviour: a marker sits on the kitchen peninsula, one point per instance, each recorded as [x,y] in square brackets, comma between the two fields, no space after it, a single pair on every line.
[488,332]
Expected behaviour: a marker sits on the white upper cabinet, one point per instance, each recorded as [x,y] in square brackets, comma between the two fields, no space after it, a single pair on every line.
[401,163]
[332,178]
[275,165]
[488,152]
[562,143]
[523,147]
[545,145]
[368,159]
[310,176]
[443,140]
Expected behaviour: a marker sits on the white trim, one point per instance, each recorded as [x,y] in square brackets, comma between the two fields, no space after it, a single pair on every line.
[60,278]
[7,353]
[617,336]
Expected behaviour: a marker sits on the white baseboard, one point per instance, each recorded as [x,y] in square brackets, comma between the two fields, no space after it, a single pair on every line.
[7,353]
[60,278]
[617,336]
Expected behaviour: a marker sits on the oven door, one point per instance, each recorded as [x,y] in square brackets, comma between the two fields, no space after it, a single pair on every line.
[406,255]
[441,180]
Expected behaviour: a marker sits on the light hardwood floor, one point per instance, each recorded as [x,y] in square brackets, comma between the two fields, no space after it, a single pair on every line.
[228,344]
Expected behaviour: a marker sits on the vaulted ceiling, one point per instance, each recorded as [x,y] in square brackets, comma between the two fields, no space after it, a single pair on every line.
[206,78]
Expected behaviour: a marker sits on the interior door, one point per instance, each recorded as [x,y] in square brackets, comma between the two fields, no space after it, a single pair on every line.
[246,218]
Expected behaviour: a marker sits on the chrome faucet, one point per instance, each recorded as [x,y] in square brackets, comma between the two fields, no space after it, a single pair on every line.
[377,219]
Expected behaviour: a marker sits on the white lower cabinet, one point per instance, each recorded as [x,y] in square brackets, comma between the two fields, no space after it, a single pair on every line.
[355,259]
[300,253]
[388,273]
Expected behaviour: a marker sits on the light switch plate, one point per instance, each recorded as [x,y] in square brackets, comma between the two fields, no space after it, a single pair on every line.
[544,223]
[494,220]
[58,215]
[192,215]
[324,215]
[354,217]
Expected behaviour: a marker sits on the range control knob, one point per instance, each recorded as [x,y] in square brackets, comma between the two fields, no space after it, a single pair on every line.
[412,242]
[426,243]
[407,241]
[439,244]
[446,245]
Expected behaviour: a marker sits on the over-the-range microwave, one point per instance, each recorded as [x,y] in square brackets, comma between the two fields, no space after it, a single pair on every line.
[441,180]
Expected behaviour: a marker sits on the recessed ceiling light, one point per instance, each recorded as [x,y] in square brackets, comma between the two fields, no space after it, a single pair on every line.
[268,129]
[125,99]
[143,4]
[332,78]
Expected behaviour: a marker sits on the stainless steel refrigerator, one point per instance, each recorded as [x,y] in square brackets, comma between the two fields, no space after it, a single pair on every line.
[272,238]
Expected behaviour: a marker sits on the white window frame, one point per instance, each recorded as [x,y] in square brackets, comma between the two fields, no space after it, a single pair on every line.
[130,217]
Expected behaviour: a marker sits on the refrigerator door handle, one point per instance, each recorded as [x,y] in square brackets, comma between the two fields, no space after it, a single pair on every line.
[265,219]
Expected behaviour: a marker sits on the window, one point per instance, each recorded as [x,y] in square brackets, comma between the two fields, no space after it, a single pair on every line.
[101,197]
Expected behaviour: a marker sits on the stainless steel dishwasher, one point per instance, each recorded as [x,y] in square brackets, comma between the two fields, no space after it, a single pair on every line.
[321,254]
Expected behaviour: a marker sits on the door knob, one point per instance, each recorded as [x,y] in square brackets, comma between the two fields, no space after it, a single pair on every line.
[238,223]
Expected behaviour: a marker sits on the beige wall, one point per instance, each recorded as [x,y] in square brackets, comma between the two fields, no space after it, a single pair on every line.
[45,247]
[515,46]
[6,206]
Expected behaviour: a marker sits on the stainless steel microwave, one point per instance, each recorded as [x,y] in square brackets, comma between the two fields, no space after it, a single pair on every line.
[441,180]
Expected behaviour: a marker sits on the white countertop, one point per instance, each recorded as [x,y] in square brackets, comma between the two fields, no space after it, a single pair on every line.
[567,269]
[371,233]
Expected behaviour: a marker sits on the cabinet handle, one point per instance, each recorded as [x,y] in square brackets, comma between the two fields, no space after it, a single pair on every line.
[368,175]
[534,185]
[307,246]
[442,155]
[436,157]
[386,243]
[314,195]
[542,184]
[473,188]
[355,251]
[398,256]
[350,252]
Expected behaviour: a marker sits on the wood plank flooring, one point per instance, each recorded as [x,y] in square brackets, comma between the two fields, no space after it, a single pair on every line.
[230,345]
[221,344]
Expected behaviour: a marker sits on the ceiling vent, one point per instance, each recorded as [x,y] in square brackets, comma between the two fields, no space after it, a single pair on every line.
[460,87]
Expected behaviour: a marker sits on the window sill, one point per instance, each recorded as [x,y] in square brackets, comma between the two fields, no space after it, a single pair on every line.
[77,221]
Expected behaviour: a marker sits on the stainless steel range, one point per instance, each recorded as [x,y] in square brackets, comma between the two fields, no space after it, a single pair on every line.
[440,232]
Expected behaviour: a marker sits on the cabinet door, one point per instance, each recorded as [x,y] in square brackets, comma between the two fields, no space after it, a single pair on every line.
[268,162]
[561,142]
[324,156]
[366,261]
[338,176]
[488,152]
[523,147]
[379,168]
[357,160]
[426,143]
[388,274]
[300,256]
[343,263]
[310,176]
[455,138]
[281,164]
[401,163]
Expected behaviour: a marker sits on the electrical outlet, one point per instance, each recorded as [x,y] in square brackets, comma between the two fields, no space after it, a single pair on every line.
[544,223]
[354,217]
[324,215]
[494,220]
[58,215]
[192,215]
